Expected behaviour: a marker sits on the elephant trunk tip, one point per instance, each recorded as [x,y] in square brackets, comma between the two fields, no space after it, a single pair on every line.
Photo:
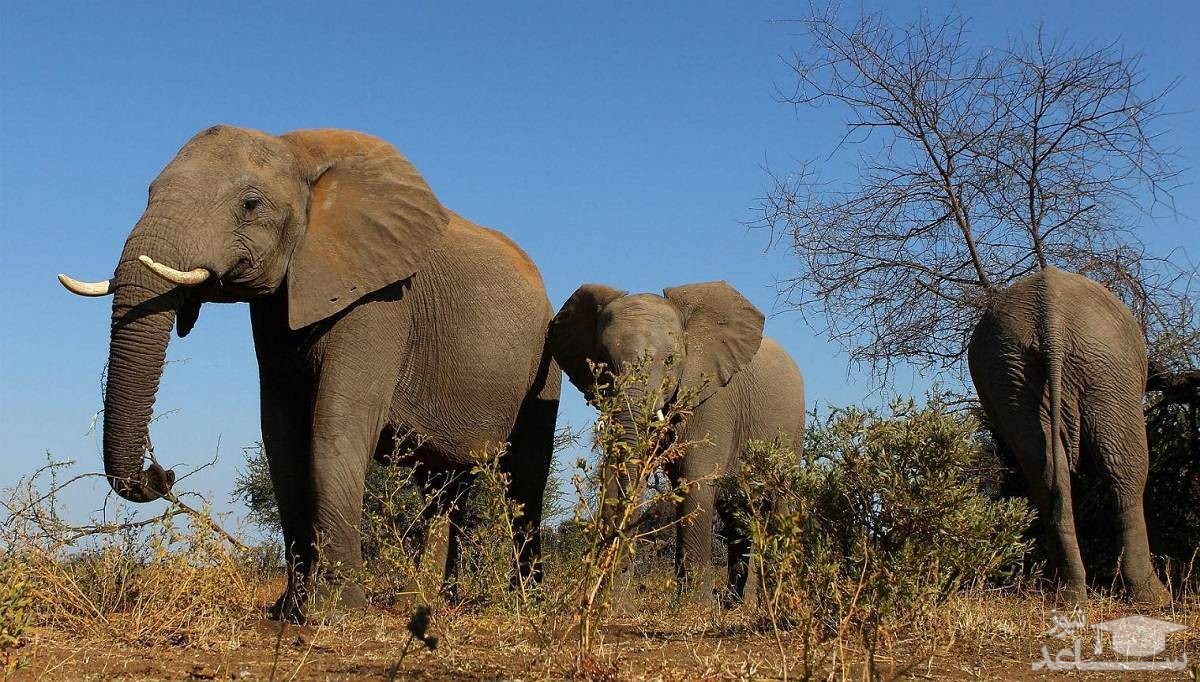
[145,486]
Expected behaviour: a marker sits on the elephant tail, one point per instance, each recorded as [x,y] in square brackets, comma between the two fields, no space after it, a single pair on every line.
[1051,333]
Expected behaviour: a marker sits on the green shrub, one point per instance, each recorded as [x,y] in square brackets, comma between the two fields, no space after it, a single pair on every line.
[881,520]
[253,488]
[392,524]
[1173,491]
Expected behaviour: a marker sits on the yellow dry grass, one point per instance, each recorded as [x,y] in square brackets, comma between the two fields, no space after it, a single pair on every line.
[199,613]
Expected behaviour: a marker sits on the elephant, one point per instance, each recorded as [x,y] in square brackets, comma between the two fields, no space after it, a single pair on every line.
[745,387]
[382,322]
[1059,364]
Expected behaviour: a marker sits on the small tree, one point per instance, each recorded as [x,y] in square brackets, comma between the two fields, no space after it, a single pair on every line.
[975,167]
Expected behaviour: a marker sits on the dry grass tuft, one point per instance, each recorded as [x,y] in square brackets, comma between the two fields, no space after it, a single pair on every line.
[182,588]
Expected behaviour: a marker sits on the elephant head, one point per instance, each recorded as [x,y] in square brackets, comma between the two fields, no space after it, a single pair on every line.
[326,216]
[710,329]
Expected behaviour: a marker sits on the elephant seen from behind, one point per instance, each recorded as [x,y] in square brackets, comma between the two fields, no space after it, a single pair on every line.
[1060,367]
[707,340]
[382,323]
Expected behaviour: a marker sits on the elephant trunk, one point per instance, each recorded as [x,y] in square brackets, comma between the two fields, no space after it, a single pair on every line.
[621,478]
[143,311]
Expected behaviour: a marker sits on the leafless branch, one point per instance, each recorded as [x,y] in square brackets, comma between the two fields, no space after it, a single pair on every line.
[34,507]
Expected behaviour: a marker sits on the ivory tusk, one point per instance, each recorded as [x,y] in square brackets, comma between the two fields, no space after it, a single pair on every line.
[188,279]
[75,286]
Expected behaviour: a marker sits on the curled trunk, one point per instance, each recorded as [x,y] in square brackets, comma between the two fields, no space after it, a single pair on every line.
[143,311]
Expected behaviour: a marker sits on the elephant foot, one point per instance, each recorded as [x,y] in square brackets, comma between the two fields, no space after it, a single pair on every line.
[1150,593]
[450,594]
[623,595]
[698,589]
[289,607]
[1073,594]
[331,602]
[731,598]
[346,596]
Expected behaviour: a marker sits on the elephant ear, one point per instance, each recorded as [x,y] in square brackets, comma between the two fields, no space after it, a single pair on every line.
[573,334]
[722,333]
[372,220]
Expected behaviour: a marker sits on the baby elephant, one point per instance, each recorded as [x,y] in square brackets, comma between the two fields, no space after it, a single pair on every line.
[748,387]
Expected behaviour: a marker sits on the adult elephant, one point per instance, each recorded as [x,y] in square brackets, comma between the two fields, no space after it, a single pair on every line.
[382,323]
[746,387]
[1060,367]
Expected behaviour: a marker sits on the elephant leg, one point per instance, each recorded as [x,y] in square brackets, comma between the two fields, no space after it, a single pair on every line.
[1052,496]
[1061,542]
[445,513]
[1027,432]
[738,545]
[1117,439]
[349,411]
[285,432]
[1062,517]
[339,469]
[528,465]
[693,545]
[695,512]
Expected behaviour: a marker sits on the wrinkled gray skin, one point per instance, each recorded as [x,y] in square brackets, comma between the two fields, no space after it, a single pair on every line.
[1057,353]
[749,388]
[377,315]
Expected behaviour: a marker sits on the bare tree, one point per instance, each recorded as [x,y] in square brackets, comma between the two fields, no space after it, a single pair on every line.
[974,167]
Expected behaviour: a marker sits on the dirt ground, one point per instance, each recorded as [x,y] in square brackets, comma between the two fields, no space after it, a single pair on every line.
[980,639]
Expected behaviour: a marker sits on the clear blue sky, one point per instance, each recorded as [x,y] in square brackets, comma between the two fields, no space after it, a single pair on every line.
[616,142]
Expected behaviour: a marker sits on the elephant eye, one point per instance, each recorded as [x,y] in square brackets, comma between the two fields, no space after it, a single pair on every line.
[250,203]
